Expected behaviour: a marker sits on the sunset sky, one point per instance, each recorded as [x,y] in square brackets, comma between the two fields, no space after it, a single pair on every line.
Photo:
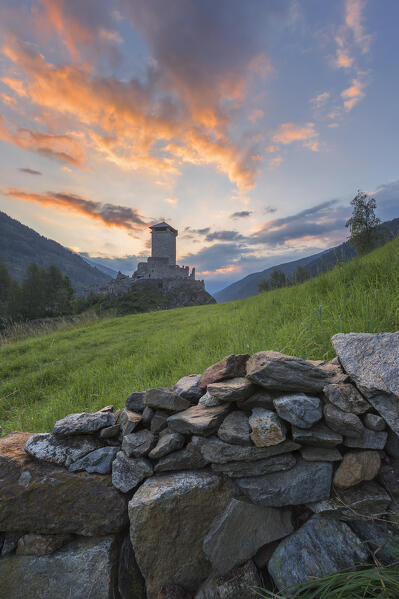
[247,125]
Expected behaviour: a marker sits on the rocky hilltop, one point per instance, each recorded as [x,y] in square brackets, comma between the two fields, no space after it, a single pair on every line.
[263,470]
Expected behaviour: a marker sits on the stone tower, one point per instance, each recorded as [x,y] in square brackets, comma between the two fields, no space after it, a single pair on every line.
[164,242]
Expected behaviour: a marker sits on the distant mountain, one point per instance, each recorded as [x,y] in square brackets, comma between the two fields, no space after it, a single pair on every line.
[316,264]
[20,246]
[110,272]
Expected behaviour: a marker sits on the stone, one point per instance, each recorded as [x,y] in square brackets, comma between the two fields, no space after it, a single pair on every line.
[159,421]
[146,417]
[209,401]
[82,569]
[368,440]
[188,387]
[374,422]
[389,478]
[98,461]
[135,402]
[368,499]
[189,458]
[286,461]
[275,371]
[320,454]
[173,591]
[109,408]
[266,428]
[260,399]
[166,444]
[34,544]
[138,445]
[165,399]
[381,539]
[82,424]
[228,368]
[198,420]
[218,452]
[44,498]
[10,543]
[236,389]
[299,409]
[392,444]
[344,423]
[110,432]
[241,582]
[170,515]
[61,451]
[357,467]
[371,360]
[347,398]
[129,421]
[127,473]
[131,583]
[318,436]
[306,481]
[320,547]
[237,534]
[235,429]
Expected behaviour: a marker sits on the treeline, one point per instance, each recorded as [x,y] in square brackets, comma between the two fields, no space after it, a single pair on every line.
[42,293]
[279,279]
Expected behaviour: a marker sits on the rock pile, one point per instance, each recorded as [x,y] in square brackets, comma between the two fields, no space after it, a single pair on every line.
[264,470]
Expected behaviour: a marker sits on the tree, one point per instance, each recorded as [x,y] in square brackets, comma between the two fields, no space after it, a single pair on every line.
[363,224]
[301,274]
[278,279]
[263,286]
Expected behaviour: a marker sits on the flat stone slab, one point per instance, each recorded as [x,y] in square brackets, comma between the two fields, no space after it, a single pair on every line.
[229,367]
[320,547]
[299,409]
[372,362]
[347,398]
[276,371]
[138,445]
[342,422]
[318,436]
[237,534]
[61,451]
[127,473]
[368,440]
[98,461]
[365,500]
[260,399]
[219,452]
[239,388]
[235,429]
[198,420]
[165,399]
[189,458]
[320,454]
[357,467]
[166,444]
[188,387]
[290,487]
[266,428]
[285,461]
[82,424]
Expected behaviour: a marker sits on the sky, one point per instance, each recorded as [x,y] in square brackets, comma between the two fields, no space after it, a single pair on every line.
[248,126]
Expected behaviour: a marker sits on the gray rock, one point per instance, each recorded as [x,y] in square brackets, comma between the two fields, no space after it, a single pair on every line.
[260,399]
[198,420]
[366,500]
[110,432]
[138,445]
[389,478]
[299,409]
[392,444]
[218,452]
[49,448]
[188,387]
[228,368]
[159,421]
[209,401]
[276,371]
[318,436]
[368,440]
[34,544]
[82,424]
[166,444]
[130,581]
[381,539]
[165,399]
[357,467]
[344,423]
[84,568]
[170,515]
[236,389]
[286,461]
[320,547]
[241,582]
[371,360]
[135,401]
[347,398]
[235,429]
[10,543]
[189,458]
[237,534]
[129,421]
[98,461]
[306,481]
[127,473]
[147,416]
[320,454]
[267,428]
[374,422]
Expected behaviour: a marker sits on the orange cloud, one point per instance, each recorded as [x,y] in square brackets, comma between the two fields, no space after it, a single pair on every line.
[354,20]
[109,215]
[320,100]
[290,132]
[172,201]
[353,94]
[256,114]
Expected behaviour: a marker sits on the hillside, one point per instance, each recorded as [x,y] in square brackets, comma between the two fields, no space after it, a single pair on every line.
[317,263]
[81,369]
[20,246]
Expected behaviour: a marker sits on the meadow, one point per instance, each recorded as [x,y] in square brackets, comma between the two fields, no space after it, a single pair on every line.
[89,365]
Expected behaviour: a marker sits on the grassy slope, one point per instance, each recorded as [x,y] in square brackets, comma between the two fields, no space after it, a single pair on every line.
[43,379]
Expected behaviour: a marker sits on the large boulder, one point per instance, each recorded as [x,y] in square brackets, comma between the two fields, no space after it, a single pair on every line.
[320,547]
[170,515]
[84,568]
[43,498]
[371,360]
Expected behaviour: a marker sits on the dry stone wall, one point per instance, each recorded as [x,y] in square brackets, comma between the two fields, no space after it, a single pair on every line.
[265,470]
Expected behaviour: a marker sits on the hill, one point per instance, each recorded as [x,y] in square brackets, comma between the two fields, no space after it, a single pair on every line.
[315,264]
[81,369]
[20,246]
[110,272]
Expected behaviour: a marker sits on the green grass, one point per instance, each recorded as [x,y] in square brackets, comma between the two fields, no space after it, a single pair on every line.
[88,366]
